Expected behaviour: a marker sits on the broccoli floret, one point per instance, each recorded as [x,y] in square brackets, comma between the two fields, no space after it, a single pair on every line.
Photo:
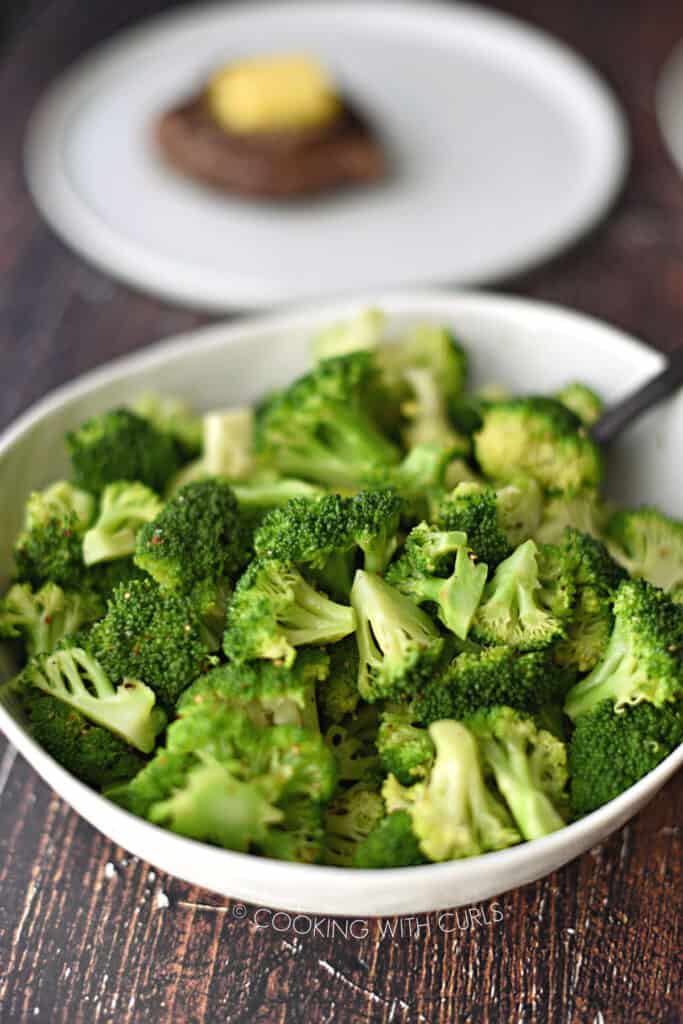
[455,813]
[642,661]
[172,416]
[582,511]
[649,546]
[405,749]
[391,844]
[426,347]
[72,675]
[104,577]
[438,567]
[596,577]
[339,695]
[120,445]
[313,534]
[352,741]
[610,750]
[541,438]
[492,676]
[271,693]
[299,835]
[582,401]
[495,521]
[361,333]
[274,610]
[197,536]
[319,428]
[398,644]
[419,479]
[374,518]
[154,636]
[350,817]
[529,766]
[49,547]
[91,753]
[515,608]
[124,508]
[45,617]
[426,414]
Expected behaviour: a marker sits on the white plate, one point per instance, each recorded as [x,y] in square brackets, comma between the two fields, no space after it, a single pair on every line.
[505,145]
[670,104]
[524,345]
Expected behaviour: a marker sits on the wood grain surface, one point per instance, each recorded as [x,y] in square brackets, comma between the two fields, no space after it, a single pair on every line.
[88,933]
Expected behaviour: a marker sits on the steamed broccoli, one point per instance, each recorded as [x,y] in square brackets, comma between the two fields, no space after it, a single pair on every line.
[299,835]
[529,766]
[172,416]
[49,547]
[649,545]
[583,511]
[426,413]
[353,743]
[398,644]
[350,817]
[643,658]
[488,677]
[339,696]
[419,479]
[319,428]
[391,844]
[196,537]
[45,617]
[516,609]
[610,750]
[274,610]
[125,706]
[124,508]
[120,445]
[582,401]
[405,749]
[541,438]
[264,491]
[152,635]
[438,567]
[454,813]
[495,521]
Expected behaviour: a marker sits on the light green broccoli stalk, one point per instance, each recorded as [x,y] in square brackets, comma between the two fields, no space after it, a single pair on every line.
[124,508]
[45,617]
[454,813]
[529,766]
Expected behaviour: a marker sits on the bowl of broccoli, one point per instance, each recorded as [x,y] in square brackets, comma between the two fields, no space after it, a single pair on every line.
[343,610]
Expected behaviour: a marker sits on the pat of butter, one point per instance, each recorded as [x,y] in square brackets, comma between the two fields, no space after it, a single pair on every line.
[272,94]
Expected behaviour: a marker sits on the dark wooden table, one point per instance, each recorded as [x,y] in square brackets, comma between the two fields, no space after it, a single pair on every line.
[88,933]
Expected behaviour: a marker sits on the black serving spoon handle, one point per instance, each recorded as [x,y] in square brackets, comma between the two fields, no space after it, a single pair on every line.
[623,413]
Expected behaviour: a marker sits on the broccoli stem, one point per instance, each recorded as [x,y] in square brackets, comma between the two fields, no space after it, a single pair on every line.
[531,808]
[314,619]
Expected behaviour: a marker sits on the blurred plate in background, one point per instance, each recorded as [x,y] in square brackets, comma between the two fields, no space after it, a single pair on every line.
[670,104]
[505,147]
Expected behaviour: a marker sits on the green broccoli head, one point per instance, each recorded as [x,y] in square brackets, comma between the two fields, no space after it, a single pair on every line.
[428,347]
[541,438]
[649,545]
[419,479]
[274,610]
[120,445]
[399,645]
[642,660]
[455,813]
[271,693]
[611,750]
[374,518]
[338,695]
[319,427]
[123,705]
[517,610]
[489,677]
[44,617]
[529,766]
[49,546]
[405,749]
[197,536]
[350,817]
[174,417]
[124,508]
[582,401]
[596,578]
[583,511]
[90,752]
[152,635]
[438,567]
[391,844]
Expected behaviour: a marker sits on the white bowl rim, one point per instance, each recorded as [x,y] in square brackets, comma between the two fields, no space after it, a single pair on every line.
[282,872]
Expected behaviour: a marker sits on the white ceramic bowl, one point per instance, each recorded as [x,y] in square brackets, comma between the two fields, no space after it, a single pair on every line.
[525,345]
